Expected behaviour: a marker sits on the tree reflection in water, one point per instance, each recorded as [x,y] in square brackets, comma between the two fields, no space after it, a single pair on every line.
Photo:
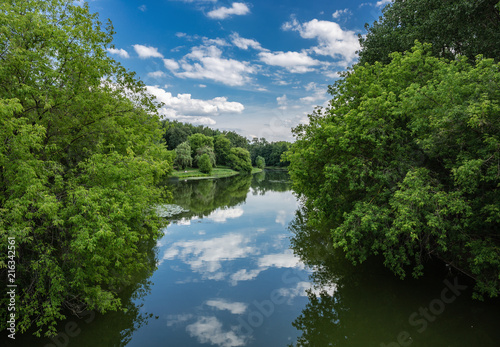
[369,306]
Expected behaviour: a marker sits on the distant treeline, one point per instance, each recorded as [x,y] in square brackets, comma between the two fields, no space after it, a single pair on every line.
[177,133]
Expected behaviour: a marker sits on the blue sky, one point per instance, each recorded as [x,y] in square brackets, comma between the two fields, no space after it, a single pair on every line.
[256,67]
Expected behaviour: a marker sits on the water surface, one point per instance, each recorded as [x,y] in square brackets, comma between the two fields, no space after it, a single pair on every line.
[241,268]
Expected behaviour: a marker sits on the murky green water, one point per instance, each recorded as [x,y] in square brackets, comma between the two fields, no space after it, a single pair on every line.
[240,269]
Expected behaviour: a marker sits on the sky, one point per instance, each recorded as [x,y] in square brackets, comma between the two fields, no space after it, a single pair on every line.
[256,67]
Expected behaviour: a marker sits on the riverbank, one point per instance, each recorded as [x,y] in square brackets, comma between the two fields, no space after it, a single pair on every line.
[194,173]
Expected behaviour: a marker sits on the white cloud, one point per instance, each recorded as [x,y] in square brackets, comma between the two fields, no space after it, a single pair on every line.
[147,52]
[281,217]
[245,275]
[333,40]
[220,216]
[172,114]
[217,41]
[233,307]
[319,94]
[295,62]
[287,259]
[382,3]
[121,52]
[282,102]
[209,330]
[206,62]
[339,13]
[243,43]
[184,103]
[171,64]
[156,74]
[238,8]
[143,8]
[301,289]
[184,108]
[205,256]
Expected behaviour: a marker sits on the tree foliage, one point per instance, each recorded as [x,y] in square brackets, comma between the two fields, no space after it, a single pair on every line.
[204,163]
[459,27]
[209,151]
[239,159]
[80,159]
[405,163]
[271,151]
[222,147]
[183,157]
[198,141]
[260,162]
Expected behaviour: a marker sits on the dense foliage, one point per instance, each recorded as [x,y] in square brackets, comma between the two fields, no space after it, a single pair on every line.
[204,163]
[80,157]
[177,132]
[458,27]
[239,159]
[260,162]
[272,152]
[406,163]
[183,156]
[197,137]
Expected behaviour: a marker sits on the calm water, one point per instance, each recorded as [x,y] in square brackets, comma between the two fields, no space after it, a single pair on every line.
[241,269]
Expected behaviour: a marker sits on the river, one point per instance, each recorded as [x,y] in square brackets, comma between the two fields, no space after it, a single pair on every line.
[240,268]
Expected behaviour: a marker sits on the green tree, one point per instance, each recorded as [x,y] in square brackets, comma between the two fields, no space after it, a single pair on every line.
[260,162]
[197,141]
[236,139]
[405,164]
[183,155]
[204,163]
[209,151]
[175,135]
[222,146]
[239,159]
[80,159]
[459,27]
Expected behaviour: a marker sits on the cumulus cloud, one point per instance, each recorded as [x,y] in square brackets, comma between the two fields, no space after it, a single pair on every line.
[156,74]
[280,260]
[184,108]
[382,3]
[339,13]
[319,94]
[243,43]
[220,216]
[238,8]
[295,62]
[206,62]
[142,8]
[333,40]
[282,102]
[301,289]
[210,330]
[233,307]
[120,52]
[184,103]
[245,275]
[171,64]
[147,52]
[205,256]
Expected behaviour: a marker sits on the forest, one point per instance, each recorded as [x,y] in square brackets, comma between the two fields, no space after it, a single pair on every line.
[405,161]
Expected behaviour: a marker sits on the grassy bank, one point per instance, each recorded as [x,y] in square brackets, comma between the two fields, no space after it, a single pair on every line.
[194,173]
